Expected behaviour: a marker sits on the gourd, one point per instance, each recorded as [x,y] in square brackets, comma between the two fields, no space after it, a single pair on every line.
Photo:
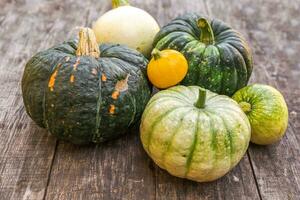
[219,57]
[84,93]
[166,68]
[267,112]
[127,25]
[194,133]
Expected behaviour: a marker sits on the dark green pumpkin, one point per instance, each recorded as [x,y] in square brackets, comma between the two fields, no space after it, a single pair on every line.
[86,98]
[219,57]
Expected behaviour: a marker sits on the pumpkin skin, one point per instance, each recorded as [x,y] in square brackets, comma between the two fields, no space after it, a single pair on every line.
[266,110]
[219,57]
[200,144]
[84,99]
[166,68]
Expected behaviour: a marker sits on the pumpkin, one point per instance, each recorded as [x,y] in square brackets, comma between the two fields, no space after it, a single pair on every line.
[83,93]
[127,25]
[266,110]
[194,133]
[219,57]
[166,68]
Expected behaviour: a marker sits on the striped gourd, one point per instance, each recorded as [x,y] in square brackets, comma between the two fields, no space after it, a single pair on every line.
[194,133]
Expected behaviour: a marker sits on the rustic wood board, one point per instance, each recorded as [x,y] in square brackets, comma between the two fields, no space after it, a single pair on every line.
[33,165]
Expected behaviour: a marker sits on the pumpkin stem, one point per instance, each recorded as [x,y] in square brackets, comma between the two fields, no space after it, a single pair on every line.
[118,3]
[201,98]
[87,44]
[245,106]
[207,35]
[156,54]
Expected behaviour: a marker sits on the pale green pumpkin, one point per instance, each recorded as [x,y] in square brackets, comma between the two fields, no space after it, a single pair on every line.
[194,133]
[267,112]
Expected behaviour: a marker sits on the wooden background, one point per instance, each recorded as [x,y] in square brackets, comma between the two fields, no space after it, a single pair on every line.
[34,165]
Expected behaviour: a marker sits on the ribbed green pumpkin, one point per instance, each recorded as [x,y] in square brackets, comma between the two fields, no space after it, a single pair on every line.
[193,136]
[219,57]
[82,95]
[266,110]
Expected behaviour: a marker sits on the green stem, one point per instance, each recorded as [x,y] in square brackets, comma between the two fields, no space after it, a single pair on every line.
[245,106]
[207,35]
[156,54]
[201,98]
[118,3]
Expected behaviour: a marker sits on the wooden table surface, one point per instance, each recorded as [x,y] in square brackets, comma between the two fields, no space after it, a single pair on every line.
[34,165]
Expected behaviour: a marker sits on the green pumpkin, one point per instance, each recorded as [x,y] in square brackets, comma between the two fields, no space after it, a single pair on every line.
[267,112]
[194,133]
[219,58]
[82,95]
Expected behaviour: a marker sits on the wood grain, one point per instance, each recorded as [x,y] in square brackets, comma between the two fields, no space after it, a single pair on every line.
[33,165]
[26,151]
[275,43]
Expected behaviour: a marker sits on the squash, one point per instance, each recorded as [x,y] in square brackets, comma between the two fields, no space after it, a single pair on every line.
[166,68]
[127,25]
[267,112]
[194,133]
[83,93]
[219,57]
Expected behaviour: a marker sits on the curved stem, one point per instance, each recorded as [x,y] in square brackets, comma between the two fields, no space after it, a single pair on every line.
[156,54]
[118,3]
[245,106]
[207,35]
[87,44]
[201,98]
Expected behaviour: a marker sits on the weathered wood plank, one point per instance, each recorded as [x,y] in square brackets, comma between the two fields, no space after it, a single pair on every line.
[272,28]
[26,151]
[115,170]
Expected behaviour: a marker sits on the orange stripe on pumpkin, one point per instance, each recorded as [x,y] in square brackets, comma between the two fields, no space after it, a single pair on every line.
[112,109]
[52,79]
[115,94]
[72,78]
[103,77]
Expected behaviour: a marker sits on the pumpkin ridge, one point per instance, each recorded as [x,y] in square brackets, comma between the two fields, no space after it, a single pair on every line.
[56,67]
[193,147]
[210,71]
[203,78]
[97,134]
[248,61]
[149,105]
[238,73]
[169,28]
[242,65]
[165,41]
[132,68]
[218,27]
[130,96]
[229,136]
[173,45]
[158,119]
[133,101]
[213,145]
[172,137]
[228,111]
[132,64]
[225,86]
[180,93]
[170,96]
[165,30]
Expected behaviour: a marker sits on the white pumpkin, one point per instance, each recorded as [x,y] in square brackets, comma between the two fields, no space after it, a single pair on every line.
[127,25]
